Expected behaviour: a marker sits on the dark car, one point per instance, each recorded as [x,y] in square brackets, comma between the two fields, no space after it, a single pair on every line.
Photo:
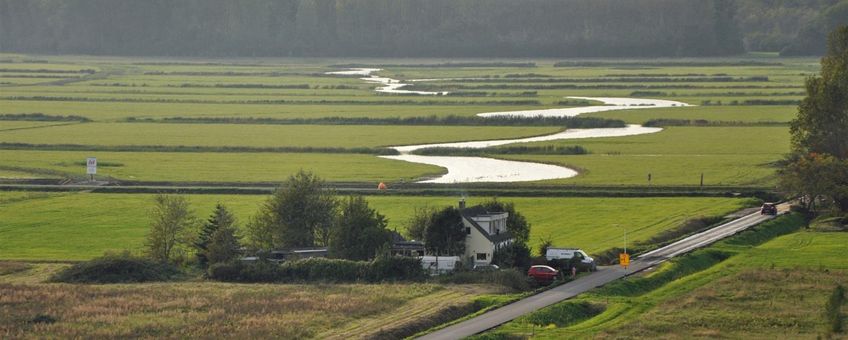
[542,274]
[768,209]
[486,267]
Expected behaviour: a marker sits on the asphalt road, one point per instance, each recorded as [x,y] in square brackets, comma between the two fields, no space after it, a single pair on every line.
[603,276]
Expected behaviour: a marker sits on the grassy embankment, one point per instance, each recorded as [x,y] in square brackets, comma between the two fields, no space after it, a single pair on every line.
[772,282]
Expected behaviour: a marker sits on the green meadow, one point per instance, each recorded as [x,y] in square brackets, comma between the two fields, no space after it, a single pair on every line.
[79,226]
[742,156]
[218,167]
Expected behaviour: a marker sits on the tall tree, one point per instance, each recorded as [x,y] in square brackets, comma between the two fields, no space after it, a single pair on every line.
[445,234]
[221,218]
[359,231]
[171,227]
[299,214]
[822,122]
[416,226]
[818,167]
[224,245]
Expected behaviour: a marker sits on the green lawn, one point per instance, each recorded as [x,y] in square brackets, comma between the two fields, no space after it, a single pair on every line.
[75,226]
[217,167]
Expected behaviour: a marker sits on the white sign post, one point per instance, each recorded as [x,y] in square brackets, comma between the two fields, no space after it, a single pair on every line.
[91,167]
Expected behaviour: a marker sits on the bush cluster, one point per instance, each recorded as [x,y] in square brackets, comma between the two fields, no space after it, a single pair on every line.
[509,278]
[384,268]
[117,268]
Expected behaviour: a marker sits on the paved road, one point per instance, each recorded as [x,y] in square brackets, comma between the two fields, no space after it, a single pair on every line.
[603,276]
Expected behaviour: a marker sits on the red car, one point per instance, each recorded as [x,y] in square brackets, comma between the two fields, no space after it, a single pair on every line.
[543,274]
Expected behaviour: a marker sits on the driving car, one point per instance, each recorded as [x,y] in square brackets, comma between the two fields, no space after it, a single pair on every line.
[768,209]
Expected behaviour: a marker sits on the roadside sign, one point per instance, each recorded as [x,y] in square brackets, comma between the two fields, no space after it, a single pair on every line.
[624,259]
[91,165]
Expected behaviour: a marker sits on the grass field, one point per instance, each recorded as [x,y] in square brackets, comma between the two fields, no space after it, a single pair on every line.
[774,290]
[677,156]
[78,226]
[218,167]
[110,90]
[198,310]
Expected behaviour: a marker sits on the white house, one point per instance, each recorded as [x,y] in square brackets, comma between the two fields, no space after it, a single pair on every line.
[485,232]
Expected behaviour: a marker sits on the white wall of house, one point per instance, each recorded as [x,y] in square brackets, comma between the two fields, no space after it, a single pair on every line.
[477,245]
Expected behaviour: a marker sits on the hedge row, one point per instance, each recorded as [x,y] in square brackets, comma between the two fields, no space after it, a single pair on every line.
[511,150]
[665,63]
[273,102]
[721,79]
[40,117]
[703,122]
[185,148]
[569,122]
[439,65]
[391,268]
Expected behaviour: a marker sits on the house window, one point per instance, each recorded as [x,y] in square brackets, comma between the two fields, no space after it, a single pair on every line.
[481,256]
[468,230]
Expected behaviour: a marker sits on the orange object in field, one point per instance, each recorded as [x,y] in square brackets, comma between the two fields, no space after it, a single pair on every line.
[381,186]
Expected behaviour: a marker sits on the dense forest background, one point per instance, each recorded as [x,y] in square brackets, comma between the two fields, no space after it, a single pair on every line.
[417,28]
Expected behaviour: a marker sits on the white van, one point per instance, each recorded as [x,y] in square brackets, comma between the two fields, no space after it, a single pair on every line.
[437,265]
[567,254]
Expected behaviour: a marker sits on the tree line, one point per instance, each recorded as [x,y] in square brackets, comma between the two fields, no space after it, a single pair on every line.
[303,213]
[384,28]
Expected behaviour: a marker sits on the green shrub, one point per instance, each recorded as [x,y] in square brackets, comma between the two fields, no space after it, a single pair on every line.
[833,309]
[565,314]
[509,278]
[120,268]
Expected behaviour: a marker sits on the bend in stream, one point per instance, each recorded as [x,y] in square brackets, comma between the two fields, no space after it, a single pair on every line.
[481,169]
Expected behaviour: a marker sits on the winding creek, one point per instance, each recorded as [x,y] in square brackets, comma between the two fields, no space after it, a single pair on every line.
[481,169]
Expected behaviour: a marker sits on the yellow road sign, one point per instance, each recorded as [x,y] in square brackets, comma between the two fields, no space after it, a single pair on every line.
[624,259]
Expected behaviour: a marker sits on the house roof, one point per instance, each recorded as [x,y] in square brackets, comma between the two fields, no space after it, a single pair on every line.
[469,213]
